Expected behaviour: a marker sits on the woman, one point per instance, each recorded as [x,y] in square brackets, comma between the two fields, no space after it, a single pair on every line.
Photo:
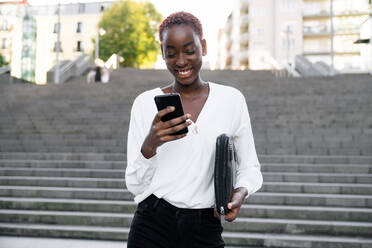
[171,176]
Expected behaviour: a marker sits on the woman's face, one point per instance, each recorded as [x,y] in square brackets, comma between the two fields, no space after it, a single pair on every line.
[182,51]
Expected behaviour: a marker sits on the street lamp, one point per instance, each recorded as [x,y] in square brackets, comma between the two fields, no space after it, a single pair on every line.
[100,31]
[370,38]
[58,45]
[331,36]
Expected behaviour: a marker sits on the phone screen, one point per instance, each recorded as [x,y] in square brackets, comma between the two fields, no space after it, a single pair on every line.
[173,99]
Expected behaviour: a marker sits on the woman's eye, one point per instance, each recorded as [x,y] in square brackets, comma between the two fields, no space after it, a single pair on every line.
[190,52]
[170,55]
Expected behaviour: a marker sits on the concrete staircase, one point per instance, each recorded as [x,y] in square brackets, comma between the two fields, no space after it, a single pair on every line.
[306,201]
[62,159]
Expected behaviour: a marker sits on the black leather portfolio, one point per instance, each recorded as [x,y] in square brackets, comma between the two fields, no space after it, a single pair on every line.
[224,173]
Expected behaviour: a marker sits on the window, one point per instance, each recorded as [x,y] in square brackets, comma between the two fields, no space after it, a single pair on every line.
[288,43]
[244,63]
[259,46]
[228,62]
[244,45]
[244,28]
[59,46]
[288,6]
[81,8]
[258,12]
[258,31]
[244,10]
[79,46]
[4,25]
[79,27]
[4,43]
[57,28]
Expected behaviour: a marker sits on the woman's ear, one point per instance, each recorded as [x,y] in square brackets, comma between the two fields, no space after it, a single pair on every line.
[204,47]
[162,52]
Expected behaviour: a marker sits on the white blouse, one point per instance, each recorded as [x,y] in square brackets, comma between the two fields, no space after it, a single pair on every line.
[181,172]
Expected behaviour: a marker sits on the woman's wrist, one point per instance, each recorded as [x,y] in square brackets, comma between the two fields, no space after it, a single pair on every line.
[148,151]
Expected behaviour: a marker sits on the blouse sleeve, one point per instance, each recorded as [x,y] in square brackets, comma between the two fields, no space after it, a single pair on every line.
[140,170]
[248,172]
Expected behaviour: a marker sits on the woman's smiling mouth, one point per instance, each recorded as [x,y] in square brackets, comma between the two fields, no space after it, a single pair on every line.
[184,73]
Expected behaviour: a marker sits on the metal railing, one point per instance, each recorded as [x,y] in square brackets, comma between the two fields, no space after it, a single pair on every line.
[4,69]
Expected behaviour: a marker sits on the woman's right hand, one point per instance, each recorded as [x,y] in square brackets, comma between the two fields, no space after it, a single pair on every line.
[160,132]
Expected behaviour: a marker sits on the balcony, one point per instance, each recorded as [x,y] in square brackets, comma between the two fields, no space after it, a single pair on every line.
[319,14]
[244,28]
[244,37]
[244,9]
[336,52]
[324,14]
[228,27]
[322,31]
[244,18]
[244,46]
[228,45]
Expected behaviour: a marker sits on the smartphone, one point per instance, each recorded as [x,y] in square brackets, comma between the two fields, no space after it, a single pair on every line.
[172,99]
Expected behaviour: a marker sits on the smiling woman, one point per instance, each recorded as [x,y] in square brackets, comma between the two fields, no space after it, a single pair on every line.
[171,175]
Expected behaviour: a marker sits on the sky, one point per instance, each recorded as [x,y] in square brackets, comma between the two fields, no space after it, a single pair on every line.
[212,14]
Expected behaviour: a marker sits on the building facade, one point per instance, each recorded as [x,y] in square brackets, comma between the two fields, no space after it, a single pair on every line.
[348,17]
[264,34]
[260,33]
[78,28]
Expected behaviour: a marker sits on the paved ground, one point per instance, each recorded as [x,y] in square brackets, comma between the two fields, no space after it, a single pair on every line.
[29,242]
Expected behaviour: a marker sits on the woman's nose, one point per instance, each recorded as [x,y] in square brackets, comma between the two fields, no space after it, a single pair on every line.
[181,60]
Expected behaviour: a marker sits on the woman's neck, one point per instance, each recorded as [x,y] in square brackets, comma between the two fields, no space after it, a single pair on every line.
[190,89]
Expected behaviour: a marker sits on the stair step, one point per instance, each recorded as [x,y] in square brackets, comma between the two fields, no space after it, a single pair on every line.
[46,242]
[317,177]
[317,168]
[114,173]
[306,212]
[63,164]
[336,200]
[295,241]
[317,188]
[289,226]
[63,156]
[266,167]
[315,159]
[66,231]
[288,187]
[231,238]
[62,192]
[65,204]
[63,182]
[240,224]
[264,159]
[247,210]
[57,172]
[340,200]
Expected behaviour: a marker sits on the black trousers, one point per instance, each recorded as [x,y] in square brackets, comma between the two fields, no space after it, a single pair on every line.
[158,224]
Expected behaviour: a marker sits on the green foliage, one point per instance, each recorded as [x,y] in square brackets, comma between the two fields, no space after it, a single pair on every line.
[2,61]
[130,29]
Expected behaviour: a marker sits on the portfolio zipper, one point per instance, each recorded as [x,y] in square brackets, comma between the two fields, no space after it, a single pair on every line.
[222,215]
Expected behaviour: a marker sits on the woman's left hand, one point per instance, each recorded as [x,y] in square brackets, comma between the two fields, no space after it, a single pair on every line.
[235,204]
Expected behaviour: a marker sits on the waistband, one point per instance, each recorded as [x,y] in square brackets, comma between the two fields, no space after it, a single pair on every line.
[155,202]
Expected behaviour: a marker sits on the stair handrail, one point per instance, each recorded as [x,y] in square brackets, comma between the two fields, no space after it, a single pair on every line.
[4,69]
[114,61]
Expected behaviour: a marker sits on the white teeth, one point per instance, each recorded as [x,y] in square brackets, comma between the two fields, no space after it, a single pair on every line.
[184,72]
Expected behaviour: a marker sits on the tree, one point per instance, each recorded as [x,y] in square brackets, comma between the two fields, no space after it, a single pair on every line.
[2,61]
[130,29]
